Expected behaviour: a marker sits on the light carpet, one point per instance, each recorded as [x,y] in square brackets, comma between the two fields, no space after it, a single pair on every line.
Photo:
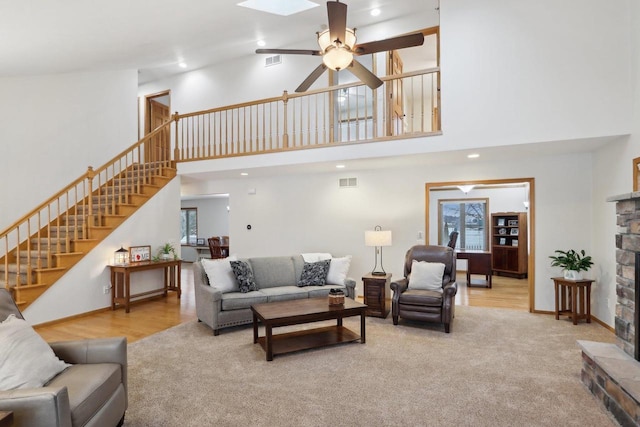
[498,367]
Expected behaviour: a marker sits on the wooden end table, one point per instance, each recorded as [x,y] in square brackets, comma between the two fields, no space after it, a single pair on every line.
[573,298]
[295,312]
[6,418]
[375,294]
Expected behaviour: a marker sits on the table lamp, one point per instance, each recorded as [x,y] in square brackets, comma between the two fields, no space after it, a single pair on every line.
[377,238]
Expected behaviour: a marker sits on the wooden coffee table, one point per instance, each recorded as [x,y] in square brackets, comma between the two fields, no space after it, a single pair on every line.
[300,311]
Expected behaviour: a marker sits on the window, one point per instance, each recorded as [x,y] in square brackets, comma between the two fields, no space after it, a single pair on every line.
[188,226]
[468,217]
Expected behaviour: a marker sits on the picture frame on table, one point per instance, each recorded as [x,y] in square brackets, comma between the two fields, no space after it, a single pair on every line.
[514,242]
[139,254]
[514,232]
[500,222]
[200,241]
[503,241]
[513,223]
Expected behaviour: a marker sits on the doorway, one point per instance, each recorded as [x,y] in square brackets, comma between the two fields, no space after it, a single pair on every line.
[526,200]
[157,113]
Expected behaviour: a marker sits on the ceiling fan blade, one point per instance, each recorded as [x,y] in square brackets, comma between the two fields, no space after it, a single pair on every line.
[337,15]
[306,84]
[290,51]
[393,43]
[366,76]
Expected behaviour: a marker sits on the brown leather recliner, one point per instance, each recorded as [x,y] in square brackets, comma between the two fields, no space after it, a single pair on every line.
[426,305]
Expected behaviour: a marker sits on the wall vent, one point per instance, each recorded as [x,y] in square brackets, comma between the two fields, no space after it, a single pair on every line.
[348,182]
[273,60]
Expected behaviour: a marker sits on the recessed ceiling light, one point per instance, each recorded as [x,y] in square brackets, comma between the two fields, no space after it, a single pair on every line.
[375,12]
[182,65]
[261,43]
[473,156]
[340,166]
[244,173]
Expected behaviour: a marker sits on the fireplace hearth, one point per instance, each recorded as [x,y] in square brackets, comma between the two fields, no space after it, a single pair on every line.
[612,371]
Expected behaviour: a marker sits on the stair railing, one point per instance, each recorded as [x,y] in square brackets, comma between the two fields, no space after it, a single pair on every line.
[34,241]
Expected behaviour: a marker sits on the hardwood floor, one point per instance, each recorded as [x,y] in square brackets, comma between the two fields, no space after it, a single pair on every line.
[505,292]
[152,316]
[145,318]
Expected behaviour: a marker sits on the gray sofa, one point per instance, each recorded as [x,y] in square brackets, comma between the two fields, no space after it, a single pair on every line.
[91,392]
[277,279]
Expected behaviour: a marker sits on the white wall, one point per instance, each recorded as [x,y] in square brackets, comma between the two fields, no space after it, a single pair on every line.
[512,73]
[53,127]
[613,175]
[309,213]
[81,289]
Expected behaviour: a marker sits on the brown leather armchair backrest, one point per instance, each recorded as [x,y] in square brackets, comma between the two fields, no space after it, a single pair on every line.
[432,253]
[8,306]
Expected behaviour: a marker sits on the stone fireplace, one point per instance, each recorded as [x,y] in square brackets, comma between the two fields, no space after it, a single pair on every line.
[612,371]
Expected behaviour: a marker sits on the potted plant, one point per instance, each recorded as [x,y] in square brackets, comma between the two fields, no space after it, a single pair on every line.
[167,251]
[572,262]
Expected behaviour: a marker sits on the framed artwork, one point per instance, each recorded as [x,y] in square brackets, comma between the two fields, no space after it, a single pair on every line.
[139,253]
[200,241]
[514,242]
[503,240]
[514,232]
[513,223]
[500,221]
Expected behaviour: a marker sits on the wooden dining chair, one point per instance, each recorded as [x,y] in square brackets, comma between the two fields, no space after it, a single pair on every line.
[214,248]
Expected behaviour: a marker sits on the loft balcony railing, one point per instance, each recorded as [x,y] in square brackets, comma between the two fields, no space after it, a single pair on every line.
[406,105]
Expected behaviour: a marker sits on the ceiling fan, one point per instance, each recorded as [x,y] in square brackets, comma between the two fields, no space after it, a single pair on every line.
[337,48]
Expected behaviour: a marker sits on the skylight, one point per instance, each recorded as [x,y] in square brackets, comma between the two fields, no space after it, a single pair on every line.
[279,7]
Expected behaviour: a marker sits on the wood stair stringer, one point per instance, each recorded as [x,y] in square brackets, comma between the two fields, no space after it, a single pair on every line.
[74,250]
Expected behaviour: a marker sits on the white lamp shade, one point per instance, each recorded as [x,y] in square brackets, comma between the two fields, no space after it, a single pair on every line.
[337,58]
[377,238]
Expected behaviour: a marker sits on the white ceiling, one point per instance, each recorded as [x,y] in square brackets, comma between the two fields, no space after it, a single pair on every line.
[154,36]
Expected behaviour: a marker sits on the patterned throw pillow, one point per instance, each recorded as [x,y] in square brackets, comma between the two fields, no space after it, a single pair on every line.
[314,273]
[244,276]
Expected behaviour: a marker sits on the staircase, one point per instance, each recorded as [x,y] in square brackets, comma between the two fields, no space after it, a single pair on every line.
[64,229]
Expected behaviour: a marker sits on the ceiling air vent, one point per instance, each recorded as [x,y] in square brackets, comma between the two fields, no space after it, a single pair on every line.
[348,182]
[273,60]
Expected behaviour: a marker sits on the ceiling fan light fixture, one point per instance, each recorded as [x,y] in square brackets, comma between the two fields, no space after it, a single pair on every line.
[337,58]
[337,55]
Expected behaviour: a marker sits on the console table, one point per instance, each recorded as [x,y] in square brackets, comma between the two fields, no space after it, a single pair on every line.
[121,281]
[573,297]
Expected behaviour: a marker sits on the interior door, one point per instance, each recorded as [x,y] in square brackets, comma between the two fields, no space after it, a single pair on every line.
[160,149]
[157,113]
[395,107]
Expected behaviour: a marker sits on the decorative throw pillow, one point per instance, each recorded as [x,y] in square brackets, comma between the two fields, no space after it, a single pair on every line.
[426,275]
[26,360]
[244,276]
[315,256]
[314,273]
[338,270]
[220,273]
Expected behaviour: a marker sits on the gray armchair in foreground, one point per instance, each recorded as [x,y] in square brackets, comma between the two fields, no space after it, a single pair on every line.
[425,304]
[91,392]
